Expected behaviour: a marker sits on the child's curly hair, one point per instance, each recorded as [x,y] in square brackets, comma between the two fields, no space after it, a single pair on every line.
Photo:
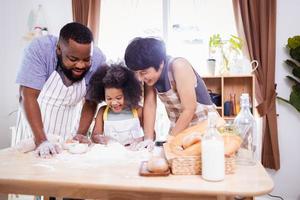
[116,75]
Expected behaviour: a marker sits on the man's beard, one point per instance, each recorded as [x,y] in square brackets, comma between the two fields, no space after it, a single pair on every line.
[68,72]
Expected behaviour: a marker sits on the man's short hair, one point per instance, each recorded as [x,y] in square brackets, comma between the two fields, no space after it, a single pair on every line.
[77,32]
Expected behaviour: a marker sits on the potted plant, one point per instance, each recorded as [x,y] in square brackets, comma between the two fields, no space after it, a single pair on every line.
[294,51]
[228,49]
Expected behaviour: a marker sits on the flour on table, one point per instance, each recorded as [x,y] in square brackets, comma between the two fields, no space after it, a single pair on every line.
[111,154]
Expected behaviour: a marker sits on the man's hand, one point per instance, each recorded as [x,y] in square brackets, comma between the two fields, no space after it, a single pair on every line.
[82,139]
[47,149]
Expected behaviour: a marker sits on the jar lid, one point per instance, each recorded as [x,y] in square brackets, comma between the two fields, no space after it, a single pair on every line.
[159,143]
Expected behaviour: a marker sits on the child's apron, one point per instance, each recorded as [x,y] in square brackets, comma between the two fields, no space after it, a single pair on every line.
[123,131]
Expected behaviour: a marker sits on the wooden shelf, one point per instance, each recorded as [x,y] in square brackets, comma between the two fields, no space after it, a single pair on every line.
[232,86]
[229,117]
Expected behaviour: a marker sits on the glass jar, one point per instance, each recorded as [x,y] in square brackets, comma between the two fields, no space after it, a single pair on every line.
[158,150]
[246,126]
[228,129]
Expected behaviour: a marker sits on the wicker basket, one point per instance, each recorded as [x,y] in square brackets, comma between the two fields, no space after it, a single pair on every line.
[191,165]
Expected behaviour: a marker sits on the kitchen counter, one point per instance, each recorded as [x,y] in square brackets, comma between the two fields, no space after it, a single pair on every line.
[104,175]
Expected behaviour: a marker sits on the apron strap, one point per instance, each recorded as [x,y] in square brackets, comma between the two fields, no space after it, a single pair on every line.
[105,113]
[135,113]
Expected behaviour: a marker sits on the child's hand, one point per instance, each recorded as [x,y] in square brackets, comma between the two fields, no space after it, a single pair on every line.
[82,139]
[101,139]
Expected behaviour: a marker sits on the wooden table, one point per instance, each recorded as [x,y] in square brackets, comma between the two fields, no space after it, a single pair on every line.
[26,174]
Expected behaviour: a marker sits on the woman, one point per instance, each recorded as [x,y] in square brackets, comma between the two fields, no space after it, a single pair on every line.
[174,80]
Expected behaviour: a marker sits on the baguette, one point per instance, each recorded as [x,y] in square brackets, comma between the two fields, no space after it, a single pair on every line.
[231,144]
[191,139]
[185,145]
[188,141]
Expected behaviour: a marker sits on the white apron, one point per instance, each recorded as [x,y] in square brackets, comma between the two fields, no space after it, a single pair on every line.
[123,131]
[60,108]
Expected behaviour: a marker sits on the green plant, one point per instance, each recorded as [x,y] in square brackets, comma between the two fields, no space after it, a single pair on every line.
[215,41]
[227,47]
[294,51]
[236,43]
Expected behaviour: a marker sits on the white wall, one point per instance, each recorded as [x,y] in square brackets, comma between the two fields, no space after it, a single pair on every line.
[287,179]
[13,21]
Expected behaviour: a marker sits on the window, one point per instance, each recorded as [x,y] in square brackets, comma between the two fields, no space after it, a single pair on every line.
[192,22]
[123,20]
[185,26]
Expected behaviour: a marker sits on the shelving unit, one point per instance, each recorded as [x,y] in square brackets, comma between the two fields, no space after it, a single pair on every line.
[229,86]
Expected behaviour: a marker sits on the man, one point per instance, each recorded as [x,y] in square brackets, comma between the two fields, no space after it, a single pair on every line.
[53,78]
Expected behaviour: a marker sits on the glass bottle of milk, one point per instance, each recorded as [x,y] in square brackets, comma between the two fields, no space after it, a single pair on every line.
[246,127]
[213,166]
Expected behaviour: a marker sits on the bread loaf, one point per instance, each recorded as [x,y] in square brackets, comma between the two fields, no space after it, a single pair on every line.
[185,145]
[193,150]
[231,144]
[188,142]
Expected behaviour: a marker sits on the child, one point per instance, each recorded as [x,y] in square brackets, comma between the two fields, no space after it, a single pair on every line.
[120,118]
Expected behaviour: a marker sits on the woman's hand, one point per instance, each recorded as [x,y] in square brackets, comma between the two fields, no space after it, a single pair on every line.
[133,143]
[145,144]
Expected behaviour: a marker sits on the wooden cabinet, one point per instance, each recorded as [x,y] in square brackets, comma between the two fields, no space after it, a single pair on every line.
[230,88]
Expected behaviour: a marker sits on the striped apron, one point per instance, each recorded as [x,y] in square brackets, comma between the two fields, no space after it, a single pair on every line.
[60,109]
[123,131]
[173,105]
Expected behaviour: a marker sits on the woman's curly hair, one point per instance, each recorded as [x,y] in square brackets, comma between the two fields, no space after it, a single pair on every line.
[118,76]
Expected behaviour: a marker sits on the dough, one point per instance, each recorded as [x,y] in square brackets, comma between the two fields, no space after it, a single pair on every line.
[78,148]
[25,146]
[28,145]
[157,165]
[69,142]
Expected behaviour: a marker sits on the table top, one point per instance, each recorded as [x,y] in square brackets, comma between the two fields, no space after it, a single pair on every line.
[102,171]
